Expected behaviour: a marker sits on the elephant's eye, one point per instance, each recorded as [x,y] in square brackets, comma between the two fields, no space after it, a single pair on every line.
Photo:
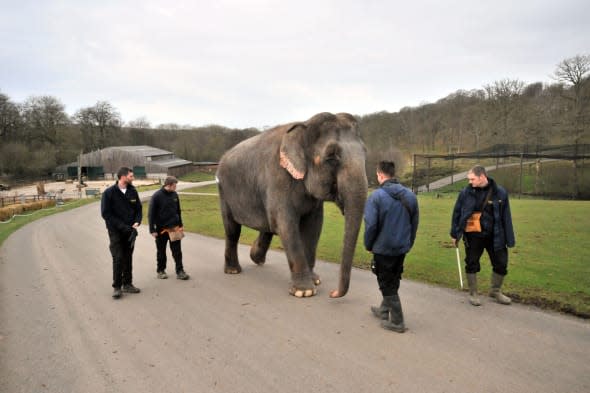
[332,159]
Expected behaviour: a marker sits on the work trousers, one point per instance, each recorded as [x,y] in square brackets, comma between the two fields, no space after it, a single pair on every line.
[474,246]
[389,271]
[122,254]
[161,242]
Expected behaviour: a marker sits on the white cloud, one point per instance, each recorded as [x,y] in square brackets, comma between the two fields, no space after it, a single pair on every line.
[264,62]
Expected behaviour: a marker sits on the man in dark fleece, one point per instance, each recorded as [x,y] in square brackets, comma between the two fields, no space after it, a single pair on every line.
[490,230]
[165,221]
[391,223]
[121,210]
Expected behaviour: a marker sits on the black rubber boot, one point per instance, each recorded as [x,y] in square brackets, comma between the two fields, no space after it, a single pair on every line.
[395,321]
[381,312]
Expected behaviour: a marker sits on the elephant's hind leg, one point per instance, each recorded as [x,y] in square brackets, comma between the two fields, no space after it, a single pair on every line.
[260,248]
[232,237]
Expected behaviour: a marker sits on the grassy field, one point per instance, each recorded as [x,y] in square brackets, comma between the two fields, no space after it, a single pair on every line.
[548,267]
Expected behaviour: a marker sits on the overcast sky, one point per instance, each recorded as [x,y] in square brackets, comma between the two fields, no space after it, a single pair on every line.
[241,63]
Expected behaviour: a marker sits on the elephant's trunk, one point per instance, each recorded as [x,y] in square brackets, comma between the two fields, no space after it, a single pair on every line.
[353,197]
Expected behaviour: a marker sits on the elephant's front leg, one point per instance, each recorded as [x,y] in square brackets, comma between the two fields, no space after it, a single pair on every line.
[311,229]
[302,280]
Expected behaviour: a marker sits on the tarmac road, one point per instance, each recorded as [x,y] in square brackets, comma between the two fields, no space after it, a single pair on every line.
[60,330]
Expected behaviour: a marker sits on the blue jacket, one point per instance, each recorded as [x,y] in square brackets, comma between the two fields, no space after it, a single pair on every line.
[391,219]
[503,232]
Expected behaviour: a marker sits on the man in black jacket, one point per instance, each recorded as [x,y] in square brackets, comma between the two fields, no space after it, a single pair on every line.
[120,207]
[165,221]
[490,230]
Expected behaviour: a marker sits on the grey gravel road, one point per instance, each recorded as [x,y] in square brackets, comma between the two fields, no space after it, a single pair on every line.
[60,330]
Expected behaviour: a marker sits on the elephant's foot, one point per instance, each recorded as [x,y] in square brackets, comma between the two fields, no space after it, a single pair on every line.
[260,248]
[258,256]
[316,278]
[232,269]
[302,292]
[303,284]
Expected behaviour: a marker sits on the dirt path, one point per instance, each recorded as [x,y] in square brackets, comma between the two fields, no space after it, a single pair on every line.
[60,330]
[440,183]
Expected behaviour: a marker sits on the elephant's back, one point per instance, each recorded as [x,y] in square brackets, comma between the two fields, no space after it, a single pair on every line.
[253,152]
[246,165]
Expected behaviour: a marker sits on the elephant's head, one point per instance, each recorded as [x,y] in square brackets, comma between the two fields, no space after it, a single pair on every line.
[327,154]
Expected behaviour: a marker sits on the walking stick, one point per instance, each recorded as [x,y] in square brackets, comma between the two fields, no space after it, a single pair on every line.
[459,266]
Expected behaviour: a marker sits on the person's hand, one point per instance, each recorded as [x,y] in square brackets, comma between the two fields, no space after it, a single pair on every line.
[455,242]
[155,234]
[135,225]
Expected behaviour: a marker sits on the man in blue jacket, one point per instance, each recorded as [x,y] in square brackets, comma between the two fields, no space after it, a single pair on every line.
[490,230]
[391,223]
[120,208]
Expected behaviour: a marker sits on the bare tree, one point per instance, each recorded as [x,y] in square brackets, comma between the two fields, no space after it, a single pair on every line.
[10,120]
[502,96]
[141,123]
[98,124]
[44,117]
[575,72]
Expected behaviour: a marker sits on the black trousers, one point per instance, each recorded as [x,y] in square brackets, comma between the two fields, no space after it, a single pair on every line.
[122,254]
[161,242]
[474,246]
[389,271]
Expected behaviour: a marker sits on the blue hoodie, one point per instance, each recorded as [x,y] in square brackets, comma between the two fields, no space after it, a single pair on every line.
[391,219]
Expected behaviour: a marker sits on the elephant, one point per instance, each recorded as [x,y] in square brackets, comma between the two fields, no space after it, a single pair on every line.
[276,183]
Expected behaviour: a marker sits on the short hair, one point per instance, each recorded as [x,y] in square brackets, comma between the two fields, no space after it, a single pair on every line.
[123,171]
[170,180]
[478,170]
[386,167]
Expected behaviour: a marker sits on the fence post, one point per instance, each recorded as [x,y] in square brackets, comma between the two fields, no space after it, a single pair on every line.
[414,177]
[521,161]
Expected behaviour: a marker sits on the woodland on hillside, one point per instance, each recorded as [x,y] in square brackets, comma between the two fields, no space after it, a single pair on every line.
[37,135]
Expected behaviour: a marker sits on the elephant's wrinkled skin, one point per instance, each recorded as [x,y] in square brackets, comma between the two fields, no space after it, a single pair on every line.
[277,182]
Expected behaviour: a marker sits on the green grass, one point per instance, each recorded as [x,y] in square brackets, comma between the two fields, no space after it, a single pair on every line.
[195,177]
[548,267]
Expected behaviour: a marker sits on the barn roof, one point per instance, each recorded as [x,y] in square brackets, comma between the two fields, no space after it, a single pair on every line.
[172,163]
[145,151]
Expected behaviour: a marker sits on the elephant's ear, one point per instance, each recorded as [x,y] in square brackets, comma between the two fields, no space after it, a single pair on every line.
[292,155]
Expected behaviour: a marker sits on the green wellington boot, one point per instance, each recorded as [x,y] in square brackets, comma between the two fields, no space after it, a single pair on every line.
[495,292]
[472,282]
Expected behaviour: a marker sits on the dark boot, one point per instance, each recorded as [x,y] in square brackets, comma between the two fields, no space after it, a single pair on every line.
[395,320]
[381,312]
[472,282]
[117,293]
[495,292]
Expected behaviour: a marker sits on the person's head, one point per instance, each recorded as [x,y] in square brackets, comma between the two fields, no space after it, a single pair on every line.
[385,171]
[477,176]
[170,183]
[125,176]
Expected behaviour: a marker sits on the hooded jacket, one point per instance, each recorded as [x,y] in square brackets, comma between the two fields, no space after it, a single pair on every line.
[467,203]
[391,219]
